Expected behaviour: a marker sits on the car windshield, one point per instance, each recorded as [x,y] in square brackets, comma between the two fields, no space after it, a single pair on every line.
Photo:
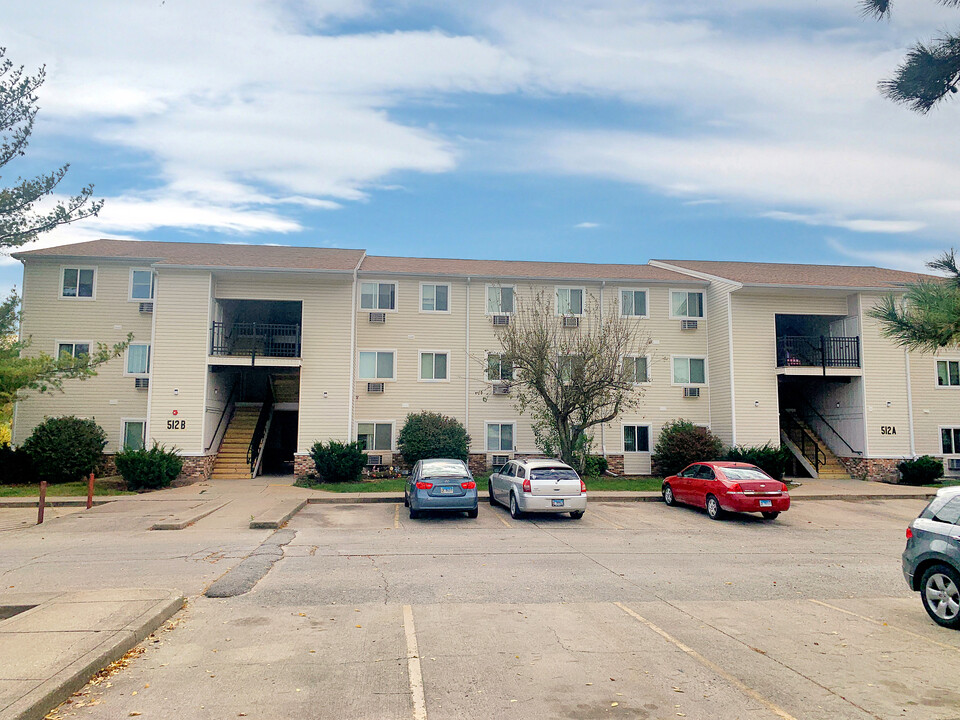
[443,468]
[554,474]
[740,473]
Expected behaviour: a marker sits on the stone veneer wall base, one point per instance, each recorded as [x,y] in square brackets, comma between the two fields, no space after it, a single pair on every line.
[875,469]
[195,469]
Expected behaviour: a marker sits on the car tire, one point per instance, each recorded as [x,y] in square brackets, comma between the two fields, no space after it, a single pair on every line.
[490,493]
[473,513]
[940,595]
[713,508]
[577,514]
[668,497]
[770,514]
[414,514]
[515,511]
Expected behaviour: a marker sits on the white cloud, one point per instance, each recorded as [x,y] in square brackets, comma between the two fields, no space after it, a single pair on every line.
[587,225]
[912,260]
[857,225]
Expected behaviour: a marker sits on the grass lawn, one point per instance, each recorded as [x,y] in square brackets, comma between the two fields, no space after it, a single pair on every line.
[384,485]
[101,486]
[397,484]
[636,484]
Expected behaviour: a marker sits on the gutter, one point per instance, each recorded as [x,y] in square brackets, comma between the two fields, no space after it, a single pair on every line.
[353,348]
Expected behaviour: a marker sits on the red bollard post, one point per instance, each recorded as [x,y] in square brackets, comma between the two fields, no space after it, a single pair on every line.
[43,500]
[90,492]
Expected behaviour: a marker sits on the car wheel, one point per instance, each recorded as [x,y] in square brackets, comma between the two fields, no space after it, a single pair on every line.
[940,593]
[414,514]
[770,514]
[577,514]
[713,508]
[514,508]
[668,497]
[490,493]
[473,513]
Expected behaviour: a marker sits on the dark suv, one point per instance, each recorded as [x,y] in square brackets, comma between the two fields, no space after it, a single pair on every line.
[931,560]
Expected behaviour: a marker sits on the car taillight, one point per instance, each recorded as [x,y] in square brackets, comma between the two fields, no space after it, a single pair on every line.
[583,486]
[526,486]
[735,488]
[469,485]
[424,485]
[909,532]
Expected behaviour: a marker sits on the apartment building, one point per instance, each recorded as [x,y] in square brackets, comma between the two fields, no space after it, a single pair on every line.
[244,356]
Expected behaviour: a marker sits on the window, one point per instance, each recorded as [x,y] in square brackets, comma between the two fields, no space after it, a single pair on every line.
[141,284]
[689,371]
[499,436]
[433,366]
[633,303]
[570,301]
[138,359]
[950,441]
[443,468]
[378,296]
[375,436]
[685,304]
[434,298]
[637,369]
[948,373]
[944,510]
[77,283]
[636,438]
[134,434]
[498,369]
[499,299]
[73,349]
[571,368]
[376,365]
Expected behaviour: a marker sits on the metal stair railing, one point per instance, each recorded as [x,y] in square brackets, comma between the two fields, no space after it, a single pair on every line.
[259,440]
[809,406]
[804,440]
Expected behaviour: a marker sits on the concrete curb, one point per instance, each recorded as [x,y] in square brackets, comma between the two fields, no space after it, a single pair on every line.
[52,502]
[275,516]
[37,703]
[179,522]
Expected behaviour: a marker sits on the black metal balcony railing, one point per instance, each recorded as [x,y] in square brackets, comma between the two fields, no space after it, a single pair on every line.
[253,339]
[818,351]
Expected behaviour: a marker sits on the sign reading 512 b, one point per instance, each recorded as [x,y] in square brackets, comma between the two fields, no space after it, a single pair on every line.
[176,424]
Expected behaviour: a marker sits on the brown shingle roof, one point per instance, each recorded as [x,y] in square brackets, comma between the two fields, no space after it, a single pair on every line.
[209,254]
[833,276]
[519,269]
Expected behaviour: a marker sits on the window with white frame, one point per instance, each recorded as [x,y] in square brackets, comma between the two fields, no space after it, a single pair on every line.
[689,371]
[684,304]
[570,367]
[500,437]
[134,434]
[376,365]
[633,303]
[498,368]
[499,299]
[375,435]
[378,296]
[73,349]
[138,359]
[77,282]
[636,438]
[569,301]
[637,368]
[950,440]
[141,284]
[434,298]
[948,373]
[433,366]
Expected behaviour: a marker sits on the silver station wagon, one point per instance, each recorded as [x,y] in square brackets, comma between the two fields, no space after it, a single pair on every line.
[538,486]
[931,559]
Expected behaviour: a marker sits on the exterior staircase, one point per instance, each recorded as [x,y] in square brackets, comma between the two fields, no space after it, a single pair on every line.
[830,466]
[286,388]
[231,462]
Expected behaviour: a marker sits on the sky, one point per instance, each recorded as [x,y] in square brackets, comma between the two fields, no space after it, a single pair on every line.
[569,130]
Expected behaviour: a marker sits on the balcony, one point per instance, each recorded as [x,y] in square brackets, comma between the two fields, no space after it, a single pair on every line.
[818,351]
[255,339]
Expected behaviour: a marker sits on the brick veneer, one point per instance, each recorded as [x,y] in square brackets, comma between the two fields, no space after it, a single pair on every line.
[615,464]
[477,462]
[303,466]
[108,465]
[195,469]
[876,469]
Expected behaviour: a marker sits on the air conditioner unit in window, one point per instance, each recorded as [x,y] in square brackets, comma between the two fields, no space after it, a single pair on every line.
[375,387]
[953,464]
[689,324]
[374,459]
[146,307]
[501,319]
[378,317]
[501,389]
[691,392]
[571,321]
[498,460]
[141,383]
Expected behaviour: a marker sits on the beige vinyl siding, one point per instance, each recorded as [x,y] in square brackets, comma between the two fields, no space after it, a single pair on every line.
[718,314]
[47,319]
[934,407]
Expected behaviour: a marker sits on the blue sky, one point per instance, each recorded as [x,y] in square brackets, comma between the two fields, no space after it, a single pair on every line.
[581,130]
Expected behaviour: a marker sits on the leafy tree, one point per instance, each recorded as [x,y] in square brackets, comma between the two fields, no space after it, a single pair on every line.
[929,71]
[927,316]
[570,379]
[432,435]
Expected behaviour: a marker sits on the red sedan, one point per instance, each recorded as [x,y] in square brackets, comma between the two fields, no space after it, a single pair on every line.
[727,487]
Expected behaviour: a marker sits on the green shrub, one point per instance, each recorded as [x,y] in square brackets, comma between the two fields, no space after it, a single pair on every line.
[775,461]
[432,435]
[922,471]
[66,449]
[681,443]
[149,469]
[594,465]
[337,461]
[16,467]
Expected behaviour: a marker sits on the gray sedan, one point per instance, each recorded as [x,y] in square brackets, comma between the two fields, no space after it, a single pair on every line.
[441,484]
[931,560]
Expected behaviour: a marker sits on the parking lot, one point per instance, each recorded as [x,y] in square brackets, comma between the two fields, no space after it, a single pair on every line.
[635,611]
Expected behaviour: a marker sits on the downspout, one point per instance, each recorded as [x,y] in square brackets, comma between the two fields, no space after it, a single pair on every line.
[23,290]
[353,348]
[466,381]
[913,446]
[733,386]
[603,434]
[147,437]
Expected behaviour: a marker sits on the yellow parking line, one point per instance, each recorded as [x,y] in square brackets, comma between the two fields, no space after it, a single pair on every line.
[600,517]
[502,519]
[413,666]
[396,516]
[736,682]
[887,625]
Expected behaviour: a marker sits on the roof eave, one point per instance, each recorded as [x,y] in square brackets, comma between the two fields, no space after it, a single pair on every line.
[534,278]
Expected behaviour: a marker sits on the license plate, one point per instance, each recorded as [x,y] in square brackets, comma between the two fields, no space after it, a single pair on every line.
[447,491]
[766,503]
[556,503]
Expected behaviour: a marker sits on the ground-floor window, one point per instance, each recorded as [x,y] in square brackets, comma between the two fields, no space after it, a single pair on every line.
[950,441]
[375,436]
[134,434]
[636,438]
[499,437]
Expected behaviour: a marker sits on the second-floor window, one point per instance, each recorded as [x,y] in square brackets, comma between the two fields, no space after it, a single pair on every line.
[77,283]
[636,368]
[633,303]
[689,371]
[434,298]
[498,368]
[685,304]
[433,366]
[138,359]
[570,301]
[499,299]
[570,367]
[73,349]
[376,365]
[375,436]
[948,373]
[141,284]
[378,296]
